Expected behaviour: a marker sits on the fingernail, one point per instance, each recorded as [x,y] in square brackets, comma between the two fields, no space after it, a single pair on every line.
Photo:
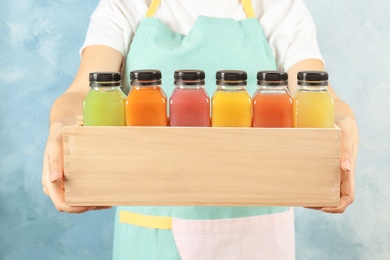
[346,164]
[55,175]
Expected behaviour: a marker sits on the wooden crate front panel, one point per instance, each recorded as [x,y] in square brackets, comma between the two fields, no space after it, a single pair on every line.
[201,166]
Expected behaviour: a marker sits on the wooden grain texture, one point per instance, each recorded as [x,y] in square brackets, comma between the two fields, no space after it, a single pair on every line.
[201,166]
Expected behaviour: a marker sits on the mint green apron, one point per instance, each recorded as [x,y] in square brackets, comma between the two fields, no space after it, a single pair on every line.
[212,44]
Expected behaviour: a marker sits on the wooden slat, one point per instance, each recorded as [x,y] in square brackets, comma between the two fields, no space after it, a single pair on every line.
[201,166]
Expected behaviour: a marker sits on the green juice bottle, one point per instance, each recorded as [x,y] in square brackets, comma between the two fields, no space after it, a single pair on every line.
[105,103]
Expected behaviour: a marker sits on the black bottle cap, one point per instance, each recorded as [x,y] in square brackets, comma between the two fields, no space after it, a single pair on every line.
[189,75]
[272,75]
[145,75]
[104,76]
[231,75]
[312,76]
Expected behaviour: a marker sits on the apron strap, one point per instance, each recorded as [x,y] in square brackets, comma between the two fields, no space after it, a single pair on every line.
[246,4]
[248,8]
[152,8]
[146,221]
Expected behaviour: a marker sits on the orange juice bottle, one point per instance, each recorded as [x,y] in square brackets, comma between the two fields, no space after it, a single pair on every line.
[231,104]
[146,103]
[312,104]
[272,103]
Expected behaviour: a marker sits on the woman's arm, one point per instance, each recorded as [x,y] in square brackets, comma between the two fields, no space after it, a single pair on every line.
[345,119]
[64,112]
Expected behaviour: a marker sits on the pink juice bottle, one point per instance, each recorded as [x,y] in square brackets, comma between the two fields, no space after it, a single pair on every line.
[189,103]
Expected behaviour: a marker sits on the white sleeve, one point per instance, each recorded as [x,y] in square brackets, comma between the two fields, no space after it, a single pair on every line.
[290,31]
[113,24]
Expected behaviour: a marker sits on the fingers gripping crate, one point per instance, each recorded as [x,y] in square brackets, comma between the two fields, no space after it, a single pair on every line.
[201,166]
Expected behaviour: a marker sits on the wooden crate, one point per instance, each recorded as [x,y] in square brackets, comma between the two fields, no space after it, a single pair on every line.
[201,166]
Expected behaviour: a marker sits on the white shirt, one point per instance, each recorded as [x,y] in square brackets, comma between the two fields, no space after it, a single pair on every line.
[287,24]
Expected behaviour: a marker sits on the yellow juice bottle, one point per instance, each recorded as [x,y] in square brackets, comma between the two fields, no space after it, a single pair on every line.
[231,104]
[312,104]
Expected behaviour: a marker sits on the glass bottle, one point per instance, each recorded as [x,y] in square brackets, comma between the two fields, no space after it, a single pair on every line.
[313,105]
[189,103]
[146,103]
[231,104]
[104,105]
[272,103]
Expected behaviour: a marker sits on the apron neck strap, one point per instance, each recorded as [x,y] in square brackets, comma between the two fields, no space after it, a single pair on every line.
[152,8]
[248,8]
[246,4]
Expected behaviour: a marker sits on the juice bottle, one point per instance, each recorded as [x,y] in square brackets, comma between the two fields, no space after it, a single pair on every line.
[146,103]
[312,104]
[189,104]
[231,104]
[272,103]
[105,103]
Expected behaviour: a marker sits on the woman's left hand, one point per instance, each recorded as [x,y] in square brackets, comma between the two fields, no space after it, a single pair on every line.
[349,147]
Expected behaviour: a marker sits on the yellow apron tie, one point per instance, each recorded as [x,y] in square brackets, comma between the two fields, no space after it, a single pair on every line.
[247,5]
[248,8]
[152,8]
[146,221]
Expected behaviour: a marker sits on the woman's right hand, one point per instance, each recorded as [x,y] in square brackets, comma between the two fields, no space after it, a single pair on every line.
[53,173]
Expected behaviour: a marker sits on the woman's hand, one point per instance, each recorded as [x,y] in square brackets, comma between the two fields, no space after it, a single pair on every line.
[53,173]
[349,146]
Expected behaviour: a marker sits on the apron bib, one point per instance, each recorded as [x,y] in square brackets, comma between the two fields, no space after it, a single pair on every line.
[212,44]
[165,232]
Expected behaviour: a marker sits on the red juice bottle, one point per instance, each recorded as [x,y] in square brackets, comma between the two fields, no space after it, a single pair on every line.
[189,103]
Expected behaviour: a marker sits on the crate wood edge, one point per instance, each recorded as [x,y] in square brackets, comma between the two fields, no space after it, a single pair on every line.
[83,188]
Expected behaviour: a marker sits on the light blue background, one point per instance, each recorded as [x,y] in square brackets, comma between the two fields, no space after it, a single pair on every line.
[39,43]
